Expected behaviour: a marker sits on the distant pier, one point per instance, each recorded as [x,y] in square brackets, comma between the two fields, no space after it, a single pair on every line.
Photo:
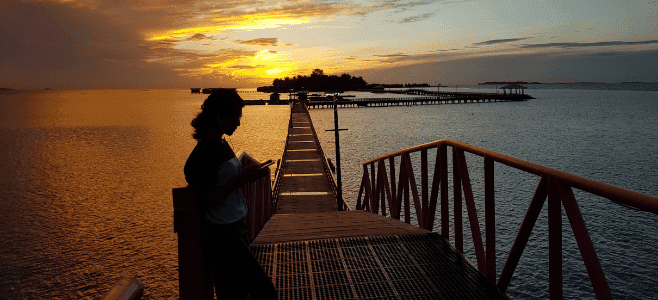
[437,98]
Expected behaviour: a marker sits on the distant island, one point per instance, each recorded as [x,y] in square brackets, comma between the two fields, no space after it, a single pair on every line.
[320,82]
[316,82]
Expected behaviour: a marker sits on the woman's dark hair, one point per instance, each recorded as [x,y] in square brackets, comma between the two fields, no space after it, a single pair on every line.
[220,104]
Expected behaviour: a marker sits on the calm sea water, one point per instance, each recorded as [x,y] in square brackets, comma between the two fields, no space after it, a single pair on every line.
[85,186]
[602,132]
[86,179]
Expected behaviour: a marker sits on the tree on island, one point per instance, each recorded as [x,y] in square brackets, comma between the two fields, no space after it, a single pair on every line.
[316,82]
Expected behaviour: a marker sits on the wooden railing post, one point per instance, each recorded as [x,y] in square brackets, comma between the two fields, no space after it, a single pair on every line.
[394,200]
[554,242]
[374,199]
[436,180]
[360,206]
[445,212]
[194,276]
[403,189]
[585,245]
[457,200]
[490,218]
[422,222]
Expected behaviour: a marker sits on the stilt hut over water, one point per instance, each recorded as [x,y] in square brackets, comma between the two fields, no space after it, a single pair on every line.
[513,89]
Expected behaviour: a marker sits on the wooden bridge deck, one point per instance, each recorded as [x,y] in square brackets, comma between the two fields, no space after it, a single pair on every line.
[305,187]
[313,251]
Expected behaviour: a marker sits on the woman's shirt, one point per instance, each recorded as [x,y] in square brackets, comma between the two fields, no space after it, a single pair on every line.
[232,208]
[210,165]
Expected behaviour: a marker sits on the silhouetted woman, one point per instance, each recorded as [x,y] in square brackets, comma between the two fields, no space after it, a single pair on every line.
[216,174]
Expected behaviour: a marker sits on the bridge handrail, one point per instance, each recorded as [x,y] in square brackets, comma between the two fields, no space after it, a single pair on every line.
[379,189]
[278,175]
[616,194]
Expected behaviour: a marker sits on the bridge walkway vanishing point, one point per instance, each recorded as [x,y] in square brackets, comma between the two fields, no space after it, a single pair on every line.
[313,251]
[305,187]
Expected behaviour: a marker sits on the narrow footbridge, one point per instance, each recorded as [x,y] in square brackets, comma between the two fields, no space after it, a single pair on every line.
[314,246]
[313,250]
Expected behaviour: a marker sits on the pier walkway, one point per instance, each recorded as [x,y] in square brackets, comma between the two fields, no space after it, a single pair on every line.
[311,250]
[305,187]
[436,98]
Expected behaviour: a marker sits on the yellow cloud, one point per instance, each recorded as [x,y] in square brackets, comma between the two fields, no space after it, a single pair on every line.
[266,64]
[239,23]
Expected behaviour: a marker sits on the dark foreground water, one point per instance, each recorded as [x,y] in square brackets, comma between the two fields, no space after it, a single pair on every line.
[86,179]
[604,133]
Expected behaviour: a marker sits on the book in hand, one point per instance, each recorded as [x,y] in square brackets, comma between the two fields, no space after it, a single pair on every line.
[266,164]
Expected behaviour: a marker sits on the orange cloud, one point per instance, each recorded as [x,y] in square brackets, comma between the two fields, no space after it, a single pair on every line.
[260,42]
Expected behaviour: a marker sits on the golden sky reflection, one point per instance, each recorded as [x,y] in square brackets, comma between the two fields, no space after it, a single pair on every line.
[167,43]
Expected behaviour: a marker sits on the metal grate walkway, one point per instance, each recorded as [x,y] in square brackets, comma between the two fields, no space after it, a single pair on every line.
[413,266]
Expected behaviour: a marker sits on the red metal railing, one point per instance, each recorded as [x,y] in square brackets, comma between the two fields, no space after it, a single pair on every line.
[378,189]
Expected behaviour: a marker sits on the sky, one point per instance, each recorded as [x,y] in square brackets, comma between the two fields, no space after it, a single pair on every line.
[74,44]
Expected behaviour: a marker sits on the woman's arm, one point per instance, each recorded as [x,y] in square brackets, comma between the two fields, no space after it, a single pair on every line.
[249,174]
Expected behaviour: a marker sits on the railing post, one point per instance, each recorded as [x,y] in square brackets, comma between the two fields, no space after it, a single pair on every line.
[422,222]
[554,242]
[395,204]
[374,203]
[361,188]
[382,184]
[490,218]
[445,212]
[457,189]
[585,245]
[194,276]
[404,174]
[436,180]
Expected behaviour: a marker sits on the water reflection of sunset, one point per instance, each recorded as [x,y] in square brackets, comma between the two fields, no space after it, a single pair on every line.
[86,185]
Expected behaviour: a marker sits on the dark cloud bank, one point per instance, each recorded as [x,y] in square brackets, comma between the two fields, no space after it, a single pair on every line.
[53,45]
[554,67]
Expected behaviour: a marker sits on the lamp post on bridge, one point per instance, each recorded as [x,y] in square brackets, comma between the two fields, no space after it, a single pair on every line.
[339,183]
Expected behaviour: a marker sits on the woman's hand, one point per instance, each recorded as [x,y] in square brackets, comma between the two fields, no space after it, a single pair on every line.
[252,172]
